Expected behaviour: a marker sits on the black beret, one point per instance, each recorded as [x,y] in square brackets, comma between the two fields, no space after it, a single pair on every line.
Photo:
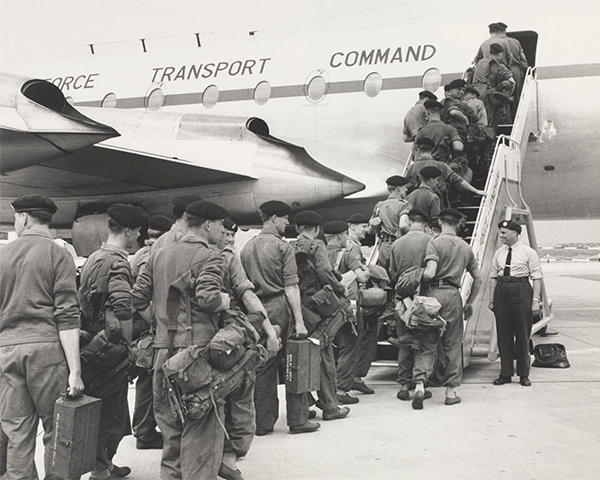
[458,83]
[502,25]
[496,48]
[358,218]
[207,210]
[275,207]
[34,202]
[431,104]
[420,213]
[184,200]
[494,27]
[451,212]
[128,215]
[230,225]
[430,172]
[337,226]
[428,94]
[160,223]
[472,90]
[308,217]
[425,142]
[446,88]
[510,225]
[396,181]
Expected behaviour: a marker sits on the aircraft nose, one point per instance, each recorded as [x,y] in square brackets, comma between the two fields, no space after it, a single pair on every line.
[350,186]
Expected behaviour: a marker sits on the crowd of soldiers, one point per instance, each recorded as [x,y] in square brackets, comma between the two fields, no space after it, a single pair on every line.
[191,293]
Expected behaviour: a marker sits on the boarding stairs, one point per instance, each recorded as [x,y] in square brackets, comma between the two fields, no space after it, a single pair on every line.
[504,201]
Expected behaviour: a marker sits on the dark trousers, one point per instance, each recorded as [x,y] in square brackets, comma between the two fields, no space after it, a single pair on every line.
[327,392]
[240,417]
[368,344]
[348,345]
[144,424]
[114,418]
[512,308]
[32,377]
[265,391]
[415,366]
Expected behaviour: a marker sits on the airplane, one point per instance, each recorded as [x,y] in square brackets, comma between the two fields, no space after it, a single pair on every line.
[315,121]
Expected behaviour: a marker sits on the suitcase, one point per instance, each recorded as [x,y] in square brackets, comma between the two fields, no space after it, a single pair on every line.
[302,365]
[75,436]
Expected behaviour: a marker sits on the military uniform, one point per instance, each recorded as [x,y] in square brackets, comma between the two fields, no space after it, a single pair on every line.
[448,179]
[310,283]
[453,256]
[424,198]
[389,211]
[270,264]
[442,136]
[489,73]
[114,416]
[38,298]
[240,415]
[174,235]
[484,50]
[192,450]
[513,297]
[347,341]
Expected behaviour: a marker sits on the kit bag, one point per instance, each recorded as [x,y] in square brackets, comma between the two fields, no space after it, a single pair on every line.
[550,355]
[408,282]
[189,369]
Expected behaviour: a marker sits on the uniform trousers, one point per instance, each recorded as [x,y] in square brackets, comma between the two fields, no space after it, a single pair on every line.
[512,307]
[191,451]
[414,366]
[385,254]
[32,377]
[368,344]
[265,392]
[348,344]
[114,417]
[327,392]
[144,424]
[240,417]
[451,340]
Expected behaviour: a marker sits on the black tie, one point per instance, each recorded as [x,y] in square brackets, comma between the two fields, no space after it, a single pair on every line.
[507,263]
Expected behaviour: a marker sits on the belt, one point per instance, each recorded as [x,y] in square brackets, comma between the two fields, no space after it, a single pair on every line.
[387,238]
[442,283]
[507,278]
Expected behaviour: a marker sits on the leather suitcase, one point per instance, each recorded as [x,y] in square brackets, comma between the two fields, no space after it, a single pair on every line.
[75,436]
[302,365]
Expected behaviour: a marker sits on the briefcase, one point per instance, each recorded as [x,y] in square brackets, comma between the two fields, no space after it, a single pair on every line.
[75,436]
[302,366]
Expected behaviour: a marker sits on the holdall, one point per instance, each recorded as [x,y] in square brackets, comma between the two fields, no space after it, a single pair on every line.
[550,355]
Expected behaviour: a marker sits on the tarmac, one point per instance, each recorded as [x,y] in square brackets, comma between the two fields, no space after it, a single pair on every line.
[548,431]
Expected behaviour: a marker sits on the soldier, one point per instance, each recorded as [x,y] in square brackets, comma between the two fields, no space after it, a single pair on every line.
[194,449]
[513,300]
[489,74]
[415,117]
[409,252]
[270,264]
[447,258]
[178,229]
[390,217]
[106,282]
[471,98]
[39,334]
[495,37]
[240,421]
[424,198]
[143,422]
[445,138]
[518,64]
[348,259]
[448,180]
[316,272]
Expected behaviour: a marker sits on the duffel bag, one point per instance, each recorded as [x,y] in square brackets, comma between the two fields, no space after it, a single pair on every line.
[189,369]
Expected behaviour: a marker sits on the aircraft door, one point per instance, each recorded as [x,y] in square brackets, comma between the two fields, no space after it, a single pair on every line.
[528,41]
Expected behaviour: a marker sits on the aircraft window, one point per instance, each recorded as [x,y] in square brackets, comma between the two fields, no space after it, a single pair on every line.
[155,100]
[70,100]
[262,93]
[316,89]
[373,84]
[210,97]
[109,101]
[432,79]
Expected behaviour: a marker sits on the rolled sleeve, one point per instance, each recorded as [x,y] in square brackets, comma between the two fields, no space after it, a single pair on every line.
[290,269]
[239,281]
[209,282]
[119,289]
[66,307]
[432,253]
[141,293]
